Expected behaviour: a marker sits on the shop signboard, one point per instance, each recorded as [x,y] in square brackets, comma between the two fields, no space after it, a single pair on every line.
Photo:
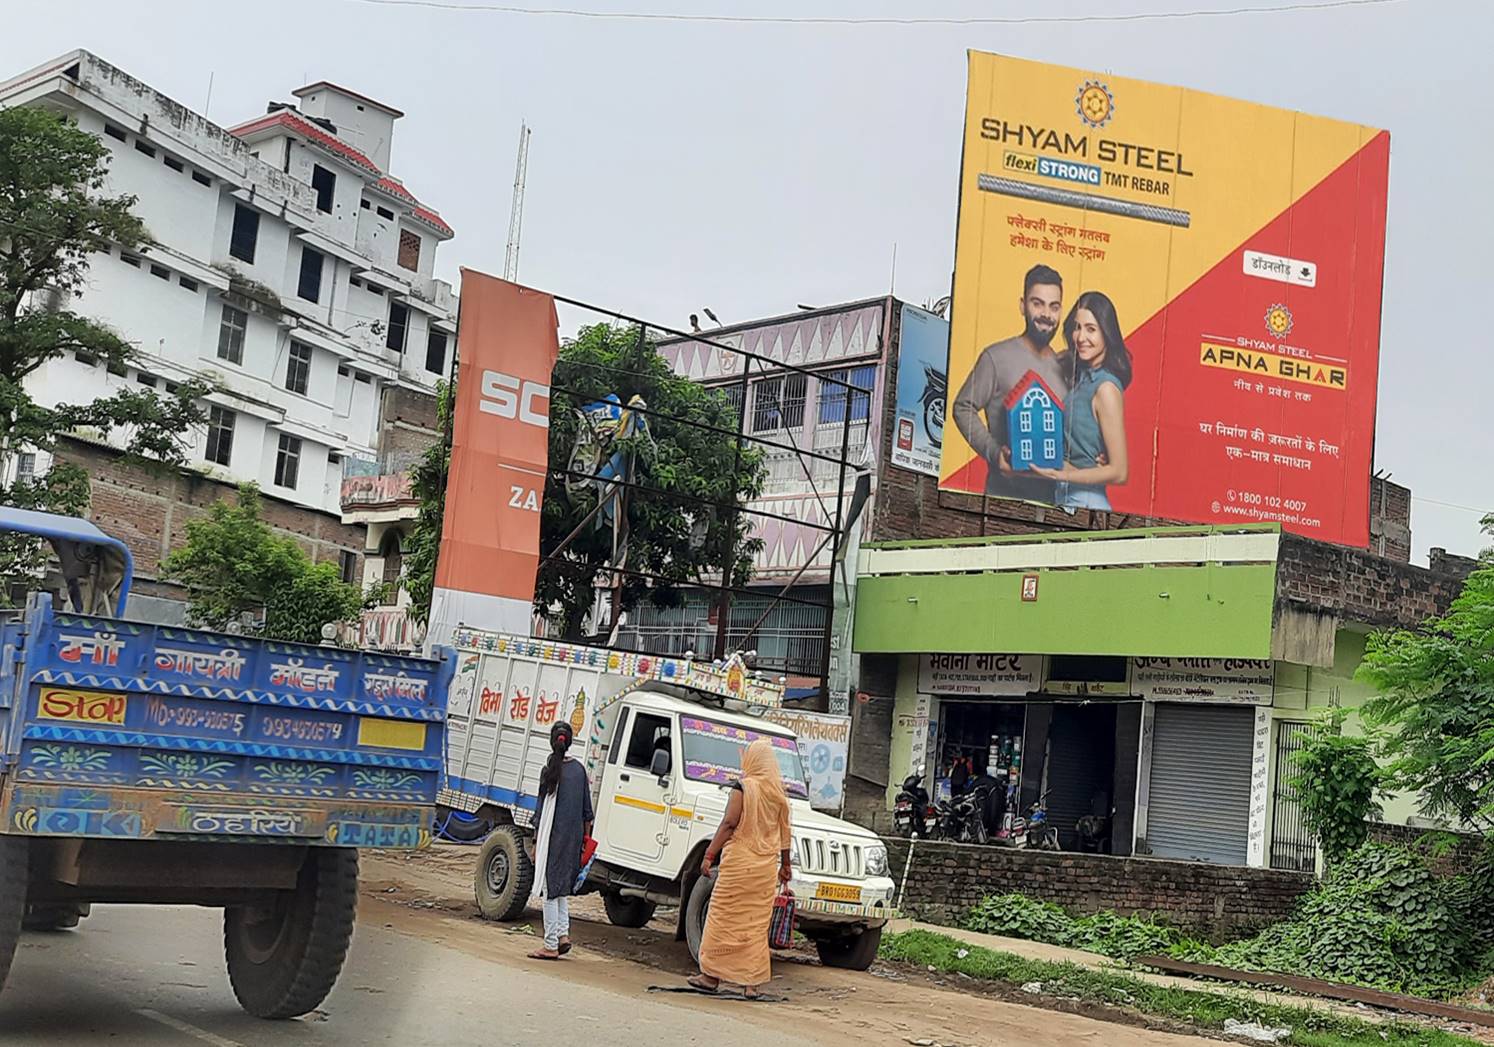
[824,747]
[979,675]
[1196,280]
[1204,679]
[918,429]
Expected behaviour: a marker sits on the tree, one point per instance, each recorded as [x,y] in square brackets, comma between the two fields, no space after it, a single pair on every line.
[1436,696]
[53,220]
[234,564]
[428,483]
[682,526]
[1335,782]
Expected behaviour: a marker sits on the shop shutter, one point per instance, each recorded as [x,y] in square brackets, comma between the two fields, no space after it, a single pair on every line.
[1199,805]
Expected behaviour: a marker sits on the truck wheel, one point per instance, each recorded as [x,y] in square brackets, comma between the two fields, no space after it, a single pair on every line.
[505,875]
[283,958]
[13,857]
[851,953]
[627,912]
[696,909]
[460,826]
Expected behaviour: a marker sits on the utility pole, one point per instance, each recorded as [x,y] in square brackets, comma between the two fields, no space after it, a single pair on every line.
[516,216]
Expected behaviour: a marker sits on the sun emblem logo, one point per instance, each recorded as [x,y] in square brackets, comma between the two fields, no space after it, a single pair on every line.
[1279,320]
[1094,103]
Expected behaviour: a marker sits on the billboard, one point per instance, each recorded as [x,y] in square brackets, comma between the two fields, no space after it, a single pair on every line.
[918,427]
[825,748]
[1166,303]
[507,343]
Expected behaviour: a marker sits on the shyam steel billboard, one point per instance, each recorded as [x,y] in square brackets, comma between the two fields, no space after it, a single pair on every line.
[1166,302]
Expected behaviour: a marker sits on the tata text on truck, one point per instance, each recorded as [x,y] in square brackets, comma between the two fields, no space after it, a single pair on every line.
[662,740]
[170,766]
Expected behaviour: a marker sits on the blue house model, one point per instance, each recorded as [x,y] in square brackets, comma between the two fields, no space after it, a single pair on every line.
[1034,424]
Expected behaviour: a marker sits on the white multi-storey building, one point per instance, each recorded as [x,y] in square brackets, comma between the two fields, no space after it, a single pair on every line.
[285,263]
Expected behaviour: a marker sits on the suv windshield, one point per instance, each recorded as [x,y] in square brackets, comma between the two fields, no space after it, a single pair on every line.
[713,753]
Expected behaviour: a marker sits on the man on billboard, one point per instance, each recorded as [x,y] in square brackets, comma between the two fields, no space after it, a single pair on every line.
[998,370]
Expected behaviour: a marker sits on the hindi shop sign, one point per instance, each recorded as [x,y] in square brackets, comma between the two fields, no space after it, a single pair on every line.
[825,747]
[979,675]
[1205,679]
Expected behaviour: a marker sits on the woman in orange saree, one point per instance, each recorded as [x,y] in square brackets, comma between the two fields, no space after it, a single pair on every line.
[753,844]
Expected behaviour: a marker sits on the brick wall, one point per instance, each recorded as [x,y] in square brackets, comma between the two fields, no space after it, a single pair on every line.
[1390,520]
[1358,586]
[409,406]
[947,879]
[148,509]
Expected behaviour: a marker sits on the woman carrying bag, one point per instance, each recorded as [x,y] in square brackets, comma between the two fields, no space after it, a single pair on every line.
[564,826]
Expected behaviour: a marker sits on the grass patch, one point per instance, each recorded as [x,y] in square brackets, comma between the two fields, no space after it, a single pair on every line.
[1205,1010]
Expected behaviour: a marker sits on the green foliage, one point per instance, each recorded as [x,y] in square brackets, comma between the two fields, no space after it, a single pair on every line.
[1119,937]
[233,563]
[53,219]
[675,534]
[1381,919]
[1436,699]
[428,482]
[1204,1010]
[1335,783]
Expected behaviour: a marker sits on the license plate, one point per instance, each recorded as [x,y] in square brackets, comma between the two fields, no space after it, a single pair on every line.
[834,892]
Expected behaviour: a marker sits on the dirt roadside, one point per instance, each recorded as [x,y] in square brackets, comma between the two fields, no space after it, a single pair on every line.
[429,895]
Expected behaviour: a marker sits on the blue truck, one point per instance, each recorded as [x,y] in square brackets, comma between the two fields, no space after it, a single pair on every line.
[170,766]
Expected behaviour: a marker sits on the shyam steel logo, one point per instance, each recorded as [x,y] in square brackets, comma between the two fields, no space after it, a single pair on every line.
[1279,320]
[1094,103]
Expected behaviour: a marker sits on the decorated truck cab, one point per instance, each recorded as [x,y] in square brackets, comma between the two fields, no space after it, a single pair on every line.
[662,740]
[147,764]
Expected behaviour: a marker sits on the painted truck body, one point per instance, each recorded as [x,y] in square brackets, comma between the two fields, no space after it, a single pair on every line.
[157,765]
[651,828]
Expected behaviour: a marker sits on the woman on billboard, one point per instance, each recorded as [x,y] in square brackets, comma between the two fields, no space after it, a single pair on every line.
[1095,415]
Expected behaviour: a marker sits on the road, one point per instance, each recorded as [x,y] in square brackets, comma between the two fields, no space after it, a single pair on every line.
[424,973]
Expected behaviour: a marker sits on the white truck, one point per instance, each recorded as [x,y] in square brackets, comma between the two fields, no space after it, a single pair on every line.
[661,738]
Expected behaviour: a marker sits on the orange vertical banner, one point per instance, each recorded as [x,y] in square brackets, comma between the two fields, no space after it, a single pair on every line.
[507,342]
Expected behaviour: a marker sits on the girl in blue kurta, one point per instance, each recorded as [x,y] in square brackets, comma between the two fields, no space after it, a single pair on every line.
[564,823]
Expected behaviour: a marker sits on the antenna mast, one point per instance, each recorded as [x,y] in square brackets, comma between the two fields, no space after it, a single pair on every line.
[516,216]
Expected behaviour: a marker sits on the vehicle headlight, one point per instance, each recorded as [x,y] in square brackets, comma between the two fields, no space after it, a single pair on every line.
[876,861]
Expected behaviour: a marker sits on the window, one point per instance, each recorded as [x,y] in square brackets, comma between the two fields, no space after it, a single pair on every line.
[399,320]
[364,204]
[361,377]
[188,284]
[231,329]
[409,250]
[353,281]
[129,259]
[142,147]
[733,394]
[833,397]
[160,272]
[145,379]
[115,132]
[220,435]
[393,556]
[712,754]
[618,734]
[385,213]
[649,733]
[435,352]
[1050,449]
[287,461]
[1050,423]
[173,163]
[310,287]
[117,368]
[778,403]
[323,182]
[26,465]
[201,179]
[85,358]
[1027,449]
[349,566]
[1024,421]
[245,237]
[298,369]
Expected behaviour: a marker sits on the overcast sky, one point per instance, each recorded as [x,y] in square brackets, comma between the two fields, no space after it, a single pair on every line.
[750,168]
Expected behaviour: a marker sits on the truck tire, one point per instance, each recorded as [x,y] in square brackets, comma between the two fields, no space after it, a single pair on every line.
[850,952]
[505,875]
[697,907]
[461,827]
[283,959]
[628,912]
[13,858]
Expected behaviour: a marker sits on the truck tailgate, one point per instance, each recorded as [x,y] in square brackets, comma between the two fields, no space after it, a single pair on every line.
[120,730]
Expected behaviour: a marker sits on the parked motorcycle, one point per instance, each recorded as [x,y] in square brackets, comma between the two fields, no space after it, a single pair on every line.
[935,387]
[1032,833]
[966,820]
[911,808]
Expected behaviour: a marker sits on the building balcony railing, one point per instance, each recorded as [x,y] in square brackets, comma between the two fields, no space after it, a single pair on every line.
[389,629]
[385,482]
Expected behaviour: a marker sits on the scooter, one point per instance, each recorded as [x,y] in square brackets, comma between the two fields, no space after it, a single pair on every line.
[911,808]
[935,387]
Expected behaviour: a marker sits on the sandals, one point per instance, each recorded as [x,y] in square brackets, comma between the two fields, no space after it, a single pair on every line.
[565,946]
[541,954]
[700,984]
